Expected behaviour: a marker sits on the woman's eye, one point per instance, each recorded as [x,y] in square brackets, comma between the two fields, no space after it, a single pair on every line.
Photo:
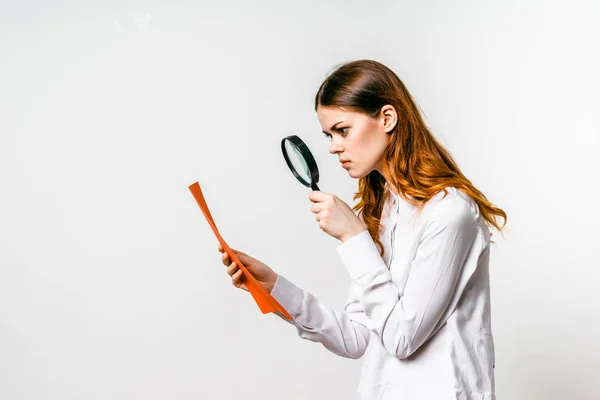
[342,131]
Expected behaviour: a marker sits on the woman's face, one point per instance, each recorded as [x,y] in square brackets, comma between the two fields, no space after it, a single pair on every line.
[357,138]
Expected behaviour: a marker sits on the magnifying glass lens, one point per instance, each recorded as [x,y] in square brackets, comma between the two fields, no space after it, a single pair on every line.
[298,161]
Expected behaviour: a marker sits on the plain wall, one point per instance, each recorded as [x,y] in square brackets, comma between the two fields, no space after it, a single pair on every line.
[111,285]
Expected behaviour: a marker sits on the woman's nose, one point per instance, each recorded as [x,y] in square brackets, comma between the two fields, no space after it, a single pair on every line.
[334,147]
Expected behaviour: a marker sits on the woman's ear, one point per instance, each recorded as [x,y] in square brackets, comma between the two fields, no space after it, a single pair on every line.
[389,118]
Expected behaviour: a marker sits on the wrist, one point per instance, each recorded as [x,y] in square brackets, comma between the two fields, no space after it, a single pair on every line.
[271,283]
[355,232]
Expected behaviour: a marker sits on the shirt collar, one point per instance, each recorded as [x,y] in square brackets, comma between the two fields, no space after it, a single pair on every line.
[392,194]
[392,198]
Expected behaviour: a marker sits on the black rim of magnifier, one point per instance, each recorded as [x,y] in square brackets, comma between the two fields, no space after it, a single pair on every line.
[310,161]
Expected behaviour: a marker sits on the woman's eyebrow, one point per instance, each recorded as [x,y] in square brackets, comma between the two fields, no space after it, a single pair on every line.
[333,126]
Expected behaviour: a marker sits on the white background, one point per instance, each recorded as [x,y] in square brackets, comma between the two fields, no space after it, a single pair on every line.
[111,285]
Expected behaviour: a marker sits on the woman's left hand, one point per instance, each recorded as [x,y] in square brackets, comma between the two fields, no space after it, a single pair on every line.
[335,217]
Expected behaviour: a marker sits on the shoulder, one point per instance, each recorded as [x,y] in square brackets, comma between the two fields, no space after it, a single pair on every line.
[451,220]
[452,207]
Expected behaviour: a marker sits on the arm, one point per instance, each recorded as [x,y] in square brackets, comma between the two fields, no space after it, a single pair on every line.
[405,319]
[343,333]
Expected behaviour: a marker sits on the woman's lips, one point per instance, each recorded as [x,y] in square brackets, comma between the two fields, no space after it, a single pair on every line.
[345,164]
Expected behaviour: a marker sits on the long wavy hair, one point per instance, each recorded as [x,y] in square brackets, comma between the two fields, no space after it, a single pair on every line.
[419,166]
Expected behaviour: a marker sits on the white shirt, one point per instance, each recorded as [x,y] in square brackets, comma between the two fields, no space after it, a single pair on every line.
[419,318]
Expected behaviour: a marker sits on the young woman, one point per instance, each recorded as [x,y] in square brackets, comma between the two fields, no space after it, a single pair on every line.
[416,247]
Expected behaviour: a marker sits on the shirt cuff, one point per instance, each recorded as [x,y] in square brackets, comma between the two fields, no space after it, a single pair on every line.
[288,295]
[360,255]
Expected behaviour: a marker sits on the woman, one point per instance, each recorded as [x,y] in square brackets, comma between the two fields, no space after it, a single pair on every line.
[416,250]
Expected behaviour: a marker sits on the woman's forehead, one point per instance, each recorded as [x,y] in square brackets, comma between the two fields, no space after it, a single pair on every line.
[327,114]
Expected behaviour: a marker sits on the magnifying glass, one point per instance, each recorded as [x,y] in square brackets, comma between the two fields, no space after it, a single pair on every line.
[301,161]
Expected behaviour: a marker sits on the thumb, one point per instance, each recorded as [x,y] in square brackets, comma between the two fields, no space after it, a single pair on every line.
[238,252]
[235,251]
[245,260]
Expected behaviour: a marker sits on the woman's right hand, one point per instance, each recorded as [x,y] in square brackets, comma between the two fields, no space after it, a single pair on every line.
[262,272]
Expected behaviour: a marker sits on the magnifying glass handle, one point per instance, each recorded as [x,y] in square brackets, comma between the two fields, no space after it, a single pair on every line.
[314,186]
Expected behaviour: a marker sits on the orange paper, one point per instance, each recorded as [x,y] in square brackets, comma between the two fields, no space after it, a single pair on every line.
[265,301]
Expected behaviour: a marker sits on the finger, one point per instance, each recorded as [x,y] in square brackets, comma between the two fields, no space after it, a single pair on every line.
[225,259]
[232,268]
[237,278]
[318,196]
[315,196]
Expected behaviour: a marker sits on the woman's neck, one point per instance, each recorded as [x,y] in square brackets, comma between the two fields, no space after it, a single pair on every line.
[388,180]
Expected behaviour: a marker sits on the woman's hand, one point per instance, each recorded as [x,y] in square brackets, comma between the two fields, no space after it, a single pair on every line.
[335,217]
[262,272]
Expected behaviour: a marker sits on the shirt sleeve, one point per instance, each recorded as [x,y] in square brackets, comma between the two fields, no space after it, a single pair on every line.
[343,333]
[405,318]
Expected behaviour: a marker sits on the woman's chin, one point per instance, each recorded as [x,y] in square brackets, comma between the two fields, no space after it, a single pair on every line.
[354,174]
[358,174]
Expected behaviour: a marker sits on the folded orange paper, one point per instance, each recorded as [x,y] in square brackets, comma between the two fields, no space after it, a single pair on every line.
[265,301]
